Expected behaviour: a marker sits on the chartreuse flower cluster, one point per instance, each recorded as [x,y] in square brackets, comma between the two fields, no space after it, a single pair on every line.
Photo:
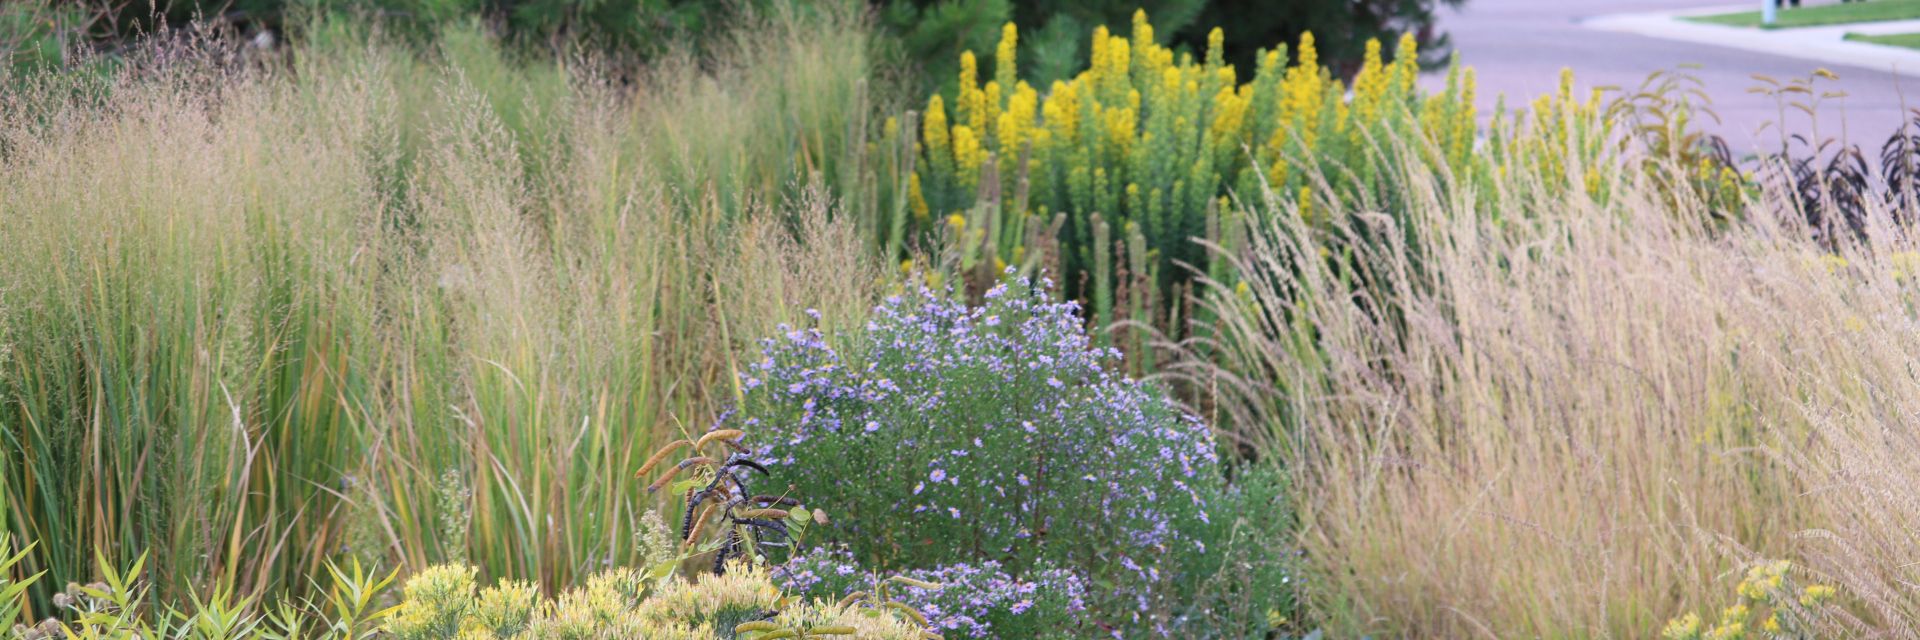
[740,599]
[1143,147]
[1770,605]
[442,604]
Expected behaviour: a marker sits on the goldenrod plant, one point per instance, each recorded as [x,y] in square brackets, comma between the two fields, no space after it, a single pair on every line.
[1124,173]
[1769,605]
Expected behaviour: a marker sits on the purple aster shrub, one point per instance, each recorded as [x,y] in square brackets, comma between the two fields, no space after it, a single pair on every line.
[946,435]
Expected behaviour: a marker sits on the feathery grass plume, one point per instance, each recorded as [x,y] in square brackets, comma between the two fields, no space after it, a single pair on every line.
[1579,423]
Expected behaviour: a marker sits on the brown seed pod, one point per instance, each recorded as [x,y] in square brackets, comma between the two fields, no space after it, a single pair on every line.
[660,455]
[700,524]
[916,583]
[837,630]
[723,435]
[910,611]
[769,514]
[671,472]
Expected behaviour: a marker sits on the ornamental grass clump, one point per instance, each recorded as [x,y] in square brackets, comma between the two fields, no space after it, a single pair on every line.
[945,434]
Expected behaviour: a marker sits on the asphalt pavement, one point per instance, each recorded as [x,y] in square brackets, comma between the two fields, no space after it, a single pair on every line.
[1518,47]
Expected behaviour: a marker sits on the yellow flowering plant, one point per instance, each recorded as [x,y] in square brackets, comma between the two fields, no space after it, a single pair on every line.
[1108,177]
[1769,604]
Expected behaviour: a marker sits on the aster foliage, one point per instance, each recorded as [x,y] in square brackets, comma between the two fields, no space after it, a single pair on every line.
[947,435]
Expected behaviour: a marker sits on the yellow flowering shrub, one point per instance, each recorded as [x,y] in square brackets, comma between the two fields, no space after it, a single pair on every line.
[1768,605]
[1149,143]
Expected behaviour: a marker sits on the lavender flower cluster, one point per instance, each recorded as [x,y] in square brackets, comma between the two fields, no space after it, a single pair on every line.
[944,434]
[975,600]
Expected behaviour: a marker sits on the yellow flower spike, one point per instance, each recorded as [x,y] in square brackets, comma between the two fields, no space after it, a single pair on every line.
[957,222]
[990,117]
[934,129]
[1406,63]
[1142,30]
[1119,61]
[969,71]
[1735,613]
[1016,124]
[1100,37]
[968,155]
[973,101]
[1216,48]
[1120,125]
[1229,116]
[1772,625]
[1005,67]
[906,266]
[1301,91]
[916,198]
[1061,110]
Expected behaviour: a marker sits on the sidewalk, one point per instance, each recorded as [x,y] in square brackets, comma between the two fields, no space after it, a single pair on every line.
[1824,44]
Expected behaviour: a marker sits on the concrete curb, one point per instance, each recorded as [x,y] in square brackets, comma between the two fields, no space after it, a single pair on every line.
[1825,45]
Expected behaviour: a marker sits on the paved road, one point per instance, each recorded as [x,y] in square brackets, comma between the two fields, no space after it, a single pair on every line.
[1518,47]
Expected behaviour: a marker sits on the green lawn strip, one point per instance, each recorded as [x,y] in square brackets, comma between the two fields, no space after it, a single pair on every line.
[1868,11]
[1908,40]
